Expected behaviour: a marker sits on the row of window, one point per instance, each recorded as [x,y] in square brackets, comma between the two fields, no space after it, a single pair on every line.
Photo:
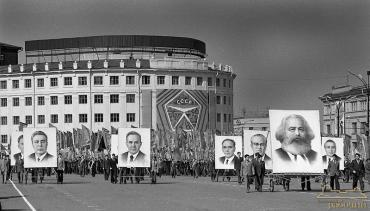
[82,99]
[218,100]
[113,80]
[350,107]
[227,117]
[54,118]
[353,129]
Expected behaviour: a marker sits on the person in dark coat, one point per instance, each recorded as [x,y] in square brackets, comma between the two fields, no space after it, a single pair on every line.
[106,167]
[237,166]
[347,169]
[358,171]
[258,165]
[113,166]
[248,171]
[19,168]
[60,169]
[334,173]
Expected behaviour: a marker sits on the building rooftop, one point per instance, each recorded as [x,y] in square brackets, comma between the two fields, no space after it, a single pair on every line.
[10,46]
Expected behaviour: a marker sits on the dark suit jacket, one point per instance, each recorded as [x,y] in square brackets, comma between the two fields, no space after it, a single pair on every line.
[139,160]
[222,160]
[46,158]
[325,157]
[358,167]
[311,155]
[17,156]
[258,167]
[237,163]
[333,168]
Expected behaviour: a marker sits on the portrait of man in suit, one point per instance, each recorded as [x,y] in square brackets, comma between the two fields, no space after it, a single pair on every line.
[39,141]
[19,155]
[228,149]
[295,136]
[330,149]
[258,145]
[133,157]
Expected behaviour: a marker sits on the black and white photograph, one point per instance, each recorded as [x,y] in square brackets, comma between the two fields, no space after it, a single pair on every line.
[40,147]
[134,147]
[296,141]
[258,143]
[332,150]
[17,148]
[226,150]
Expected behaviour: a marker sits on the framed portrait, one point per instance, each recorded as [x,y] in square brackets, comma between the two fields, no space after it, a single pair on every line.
[258,141]
[226,149]
[40,147]
[295,141]
[134,147]
[16,147]
[332,148]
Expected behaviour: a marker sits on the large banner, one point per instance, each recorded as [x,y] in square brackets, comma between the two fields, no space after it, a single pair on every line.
[296,141]
[16,147]
[256,141]
[40,147]
[226,148]
[332,149]
[134,147]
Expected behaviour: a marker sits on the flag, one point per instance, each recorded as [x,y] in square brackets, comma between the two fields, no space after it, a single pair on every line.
[75,138]
[93,141]
[107,137]
[101,141]
[51,125]
[86,135]
[114,130]
[21,126]
[69,139]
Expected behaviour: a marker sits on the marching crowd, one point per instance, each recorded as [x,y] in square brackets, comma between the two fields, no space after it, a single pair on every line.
[248,169]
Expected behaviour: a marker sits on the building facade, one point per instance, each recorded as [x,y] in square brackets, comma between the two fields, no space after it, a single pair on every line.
[8,54]
[345,114]
[156,82]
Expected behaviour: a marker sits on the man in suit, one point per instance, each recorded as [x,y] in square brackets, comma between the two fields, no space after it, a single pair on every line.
[133,157]
[248,171]
[259,169]
[228,148]
[40,145]
[358,171]
[258,145]
[330,149]
[237,166]
[334,172]
[19,155]
[295,136]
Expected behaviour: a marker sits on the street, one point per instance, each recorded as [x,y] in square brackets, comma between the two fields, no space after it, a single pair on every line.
[180,193]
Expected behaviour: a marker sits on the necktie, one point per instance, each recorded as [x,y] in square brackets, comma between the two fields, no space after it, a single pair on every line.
[295,157]
[227,161]
[131,158]
[38,159]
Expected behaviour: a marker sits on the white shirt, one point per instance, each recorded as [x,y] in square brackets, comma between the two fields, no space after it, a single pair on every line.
[39,159]
[129,163]
[301,161]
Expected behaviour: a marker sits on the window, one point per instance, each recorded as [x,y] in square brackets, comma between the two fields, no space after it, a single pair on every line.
[230,118]
[354,128]
[229,100]
[114,98]
[82,99]
[224,82]
[4,120]
[225,100]
[145,79]
[218,117]
[229,83]
[130,80]
[27,83]
[4,102]
[218,99]
[363,126]
[264,128]
[53,82]
[82,81]
[175,80]
[41,100]
[98,80]
[68,99]
[114,117]
[363,105]
[40,82]
[187,80]
[199,81]
[54,118]
[16,101]
[98,117]
[217,82]
[114,80]
[28,101]
[225,117]
[98,99]
[130,117]
[29,120]
[328,129]
[82,118]
[209,81]
[41,119]
[68,81]
[160,80]
[250,128]
[67,118]
[15,120]
[15,84]
[3,85]
[4,139]
[53,100]
[354,106]
[130,98]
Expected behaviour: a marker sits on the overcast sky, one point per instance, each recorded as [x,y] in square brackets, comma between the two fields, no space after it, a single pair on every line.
[286,53]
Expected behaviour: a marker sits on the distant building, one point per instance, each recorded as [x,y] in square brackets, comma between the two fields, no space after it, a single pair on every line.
[9,54]
[251,122]
[345,114]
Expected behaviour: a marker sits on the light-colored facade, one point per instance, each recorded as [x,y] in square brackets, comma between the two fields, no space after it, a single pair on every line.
[136,88]
[251,123]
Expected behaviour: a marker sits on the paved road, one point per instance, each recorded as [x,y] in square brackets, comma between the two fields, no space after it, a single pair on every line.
[181,193]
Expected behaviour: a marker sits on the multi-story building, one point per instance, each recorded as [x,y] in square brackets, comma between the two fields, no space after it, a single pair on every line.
[345,114]
[252,120]
[8,54]
[156,82]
